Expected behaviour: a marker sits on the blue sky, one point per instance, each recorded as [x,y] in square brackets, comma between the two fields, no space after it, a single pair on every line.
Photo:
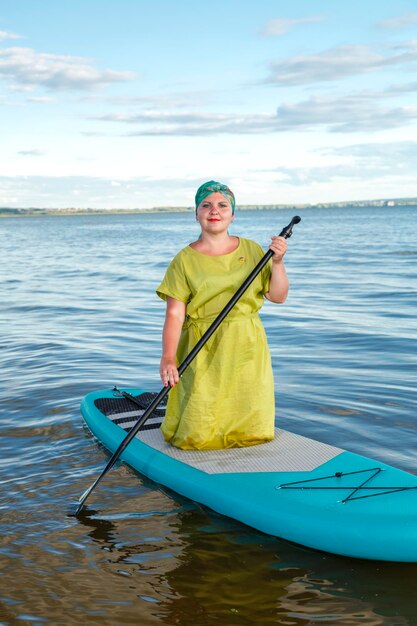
[132,104]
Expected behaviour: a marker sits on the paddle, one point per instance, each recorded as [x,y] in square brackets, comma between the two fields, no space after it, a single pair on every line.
[286,233]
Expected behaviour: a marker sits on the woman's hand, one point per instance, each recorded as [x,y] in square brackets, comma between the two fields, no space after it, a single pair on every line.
[168,371]
[279,248]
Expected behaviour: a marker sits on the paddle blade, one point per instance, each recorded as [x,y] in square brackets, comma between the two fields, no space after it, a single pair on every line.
[85,495]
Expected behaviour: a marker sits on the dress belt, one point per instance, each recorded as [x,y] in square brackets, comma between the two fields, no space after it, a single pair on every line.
[194,324]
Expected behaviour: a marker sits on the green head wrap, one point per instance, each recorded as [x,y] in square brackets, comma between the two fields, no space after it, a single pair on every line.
[212,186]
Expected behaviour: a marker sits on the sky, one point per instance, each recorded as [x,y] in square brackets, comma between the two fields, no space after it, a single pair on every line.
[134,103]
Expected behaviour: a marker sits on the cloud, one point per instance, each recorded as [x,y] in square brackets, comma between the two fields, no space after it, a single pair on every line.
[297,176]
[336,173]
[173,100]
[357,162]
[31,153]
[277,27]
[400,21]
[361,111]
[187,123]
[338,63]
[398,152]
[95,192]
[344,114]
[41,100]
[5,35]
[399,88]
[93,133]
[27,69]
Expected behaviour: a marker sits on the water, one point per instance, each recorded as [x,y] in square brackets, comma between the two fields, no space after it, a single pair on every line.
[78,313]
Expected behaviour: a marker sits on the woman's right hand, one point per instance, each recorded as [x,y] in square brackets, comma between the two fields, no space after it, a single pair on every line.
[169,372]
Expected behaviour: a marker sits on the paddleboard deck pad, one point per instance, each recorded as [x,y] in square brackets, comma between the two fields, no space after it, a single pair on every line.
[293,487]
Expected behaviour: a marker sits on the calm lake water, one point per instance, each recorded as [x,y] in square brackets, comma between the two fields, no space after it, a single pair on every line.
[79,313]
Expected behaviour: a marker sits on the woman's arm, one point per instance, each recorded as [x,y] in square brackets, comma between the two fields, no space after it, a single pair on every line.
[174,319]
[278,285]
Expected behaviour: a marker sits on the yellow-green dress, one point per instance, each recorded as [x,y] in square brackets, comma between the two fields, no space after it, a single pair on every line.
[225,397]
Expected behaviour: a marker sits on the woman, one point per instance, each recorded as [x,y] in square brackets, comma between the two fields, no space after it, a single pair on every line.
[226,395]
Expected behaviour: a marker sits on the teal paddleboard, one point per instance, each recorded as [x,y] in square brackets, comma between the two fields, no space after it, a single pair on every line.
[293,487]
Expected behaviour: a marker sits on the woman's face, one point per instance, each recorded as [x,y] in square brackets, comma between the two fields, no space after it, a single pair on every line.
[215,213]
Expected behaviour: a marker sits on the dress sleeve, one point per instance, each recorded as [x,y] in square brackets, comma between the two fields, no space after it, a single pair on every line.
[175,284]
[266,271]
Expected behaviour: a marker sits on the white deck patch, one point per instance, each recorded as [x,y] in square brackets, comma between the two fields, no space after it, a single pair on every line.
[288,452]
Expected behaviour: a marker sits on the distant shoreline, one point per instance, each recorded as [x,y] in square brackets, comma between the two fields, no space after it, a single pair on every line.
[35,211]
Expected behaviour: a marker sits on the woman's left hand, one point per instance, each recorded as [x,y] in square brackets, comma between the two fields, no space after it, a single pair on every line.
[279,247]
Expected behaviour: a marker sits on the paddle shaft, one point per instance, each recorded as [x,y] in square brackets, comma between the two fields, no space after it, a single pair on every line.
[286,233]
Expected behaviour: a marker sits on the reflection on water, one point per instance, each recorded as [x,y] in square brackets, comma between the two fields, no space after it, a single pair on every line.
[78,313]
[182,565]
[173,563]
